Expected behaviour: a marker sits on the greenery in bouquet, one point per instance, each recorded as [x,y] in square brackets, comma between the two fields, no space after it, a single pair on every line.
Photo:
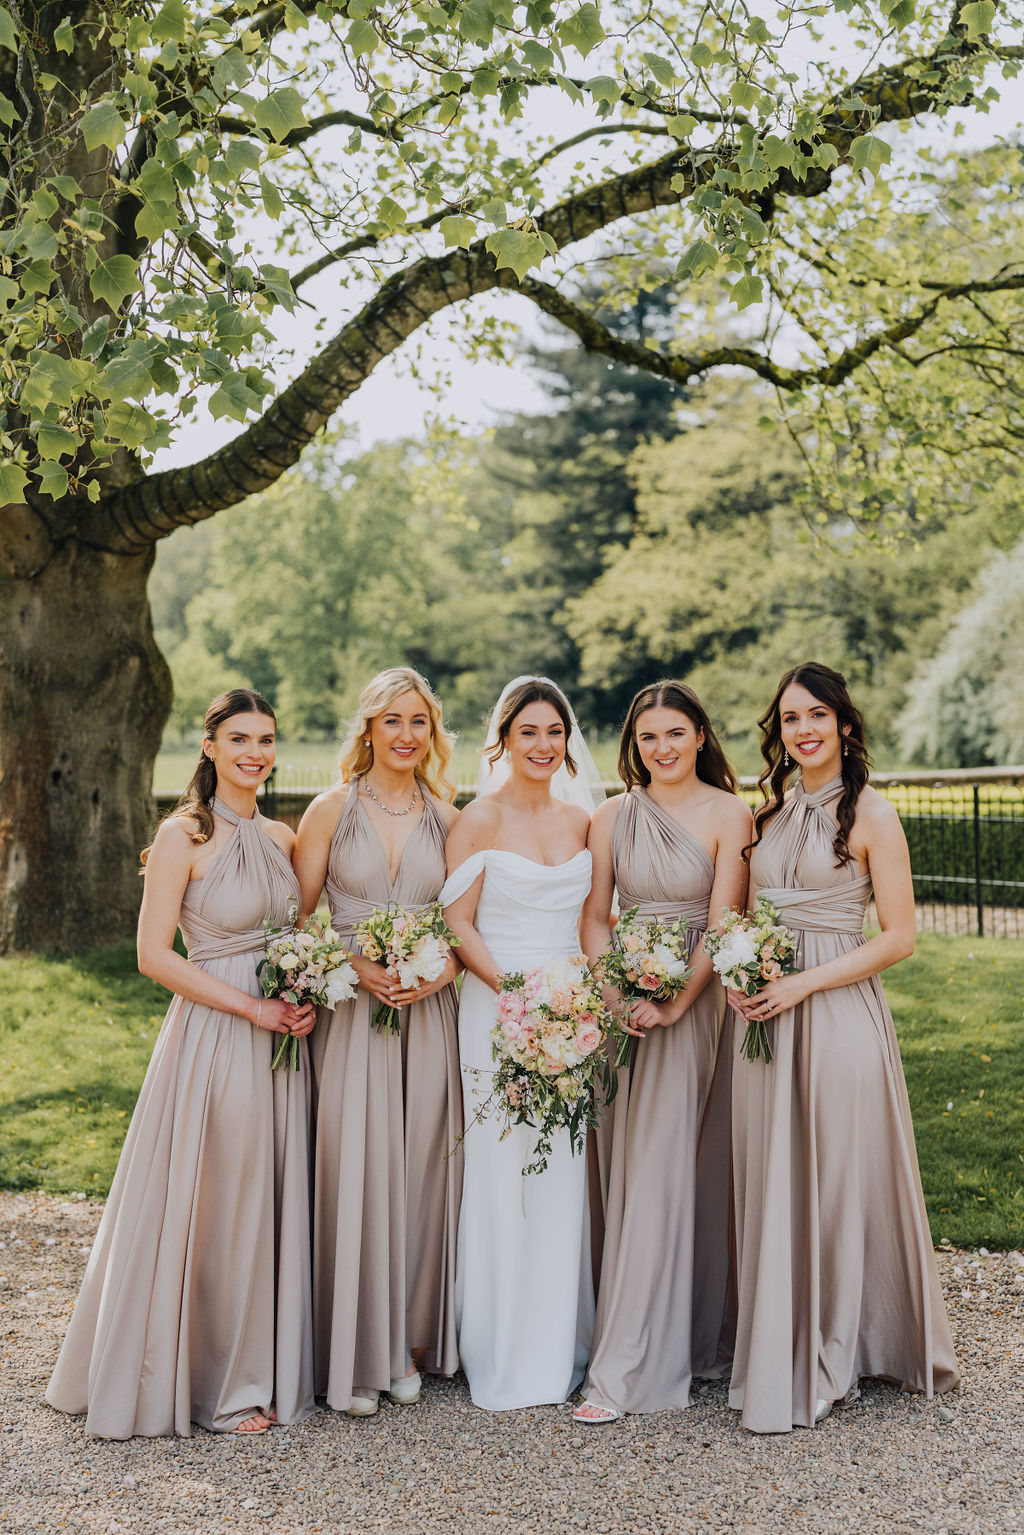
[307,963]
[414,945]
[749,950]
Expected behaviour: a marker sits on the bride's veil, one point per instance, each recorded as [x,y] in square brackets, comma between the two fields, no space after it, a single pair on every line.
[585,789]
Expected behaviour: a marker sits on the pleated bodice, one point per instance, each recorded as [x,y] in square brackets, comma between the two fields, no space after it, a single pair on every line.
[359,877]
[794,866]
[249,884]
[660,867]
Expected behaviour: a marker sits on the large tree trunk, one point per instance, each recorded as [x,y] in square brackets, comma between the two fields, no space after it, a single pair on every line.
[84,695]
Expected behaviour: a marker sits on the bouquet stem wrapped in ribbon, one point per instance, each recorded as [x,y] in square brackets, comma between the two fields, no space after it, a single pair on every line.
[748,951]
[414,946]
[551,1024]
[304,964]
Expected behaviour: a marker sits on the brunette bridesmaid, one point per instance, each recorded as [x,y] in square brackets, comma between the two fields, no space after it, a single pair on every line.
[836,1270]
[389,1109]
[195,1307]
[672,846]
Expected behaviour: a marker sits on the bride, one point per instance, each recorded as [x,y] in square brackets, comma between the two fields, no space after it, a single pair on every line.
[519,873]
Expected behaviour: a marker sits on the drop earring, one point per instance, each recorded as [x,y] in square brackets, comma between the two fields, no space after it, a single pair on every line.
[785,759]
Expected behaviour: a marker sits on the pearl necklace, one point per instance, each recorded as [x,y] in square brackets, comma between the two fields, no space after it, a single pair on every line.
[386,808]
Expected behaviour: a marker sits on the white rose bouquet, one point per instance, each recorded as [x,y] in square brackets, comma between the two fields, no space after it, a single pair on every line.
[748,950]
[414,946]
[304,964]
[550,1026]
[647,959]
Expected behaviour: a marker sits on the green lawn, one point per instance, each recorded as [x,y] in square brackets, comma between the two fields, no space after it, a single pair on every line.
[75,1036]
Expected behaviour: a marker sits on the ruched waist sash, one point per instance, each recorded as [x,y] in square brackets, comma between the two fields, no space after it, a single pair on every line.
[693,913]
[347,911]
[205,941]
[835,909]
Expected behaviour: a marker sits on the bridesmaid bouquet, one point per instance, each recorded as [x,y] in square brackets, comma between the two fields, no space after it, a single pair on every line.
[647,959]
[748,950]
[304,964]
[415,946]
[547,1039]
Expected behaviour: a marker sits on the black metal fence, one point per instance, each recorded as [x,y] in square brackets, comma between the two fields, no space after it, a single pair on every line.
[965,828]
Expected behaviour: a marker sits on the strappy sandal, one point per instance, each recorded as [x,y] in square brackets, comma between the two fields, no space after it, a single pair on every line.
[256,1417]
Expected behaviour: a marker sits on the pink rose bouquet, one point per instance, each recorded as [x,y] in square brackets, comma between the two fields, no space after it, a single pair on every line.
[550,1027]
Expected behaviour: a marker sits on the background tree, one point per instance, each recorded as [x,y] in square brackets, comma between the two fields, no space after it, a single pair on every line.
[175,176]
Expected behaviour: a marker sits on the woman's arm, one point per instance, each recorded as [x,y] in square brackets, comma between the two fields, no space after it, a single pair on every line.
[474,832]
[167,875]
[313,846]
[596,917]
[876,838]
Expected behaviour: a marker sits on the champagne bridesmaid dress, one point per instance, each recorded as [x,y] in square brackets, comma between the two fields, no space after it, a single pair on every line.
[836,1269]
[389,1113]
[195,1306]
[664,1310]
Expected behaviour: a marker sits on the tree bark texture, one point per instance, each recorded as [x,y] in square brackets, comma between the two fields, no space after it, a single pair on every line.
[84,696]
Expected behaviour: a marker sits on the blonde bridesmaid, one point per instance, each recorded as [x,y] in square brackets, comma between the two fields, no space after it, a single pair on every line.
[836,1270]
[389,1106]
[672,846]
[195,1307]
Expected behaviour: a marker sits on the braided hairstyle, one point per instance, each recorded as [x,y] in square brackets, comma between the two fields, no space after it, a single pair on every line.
[828,687]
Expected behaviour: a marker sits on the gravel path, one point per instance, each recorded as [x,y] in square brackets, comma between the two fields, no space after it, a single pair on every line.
[953,1466]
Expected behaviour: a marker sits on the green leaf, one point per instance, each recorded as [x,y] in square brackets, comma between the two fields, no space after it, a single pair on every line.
[64,37]
[66,187]
[9,290]
[103,125]
[777,152]
[272,201]
[977,17]
[114,279]
[233,398]
[54,441]
[537,57]
[745,94]
[169,23]
[390,213]
[519,249]
[660,68]
[869,153]
[280,112]
[53,480]
[698,258]
[457,229]
[8,31]
[582,30]
[8,113]
[900,13]
[362,37]
[681,126]
[746,292]
[130,424]
[13,480]
[604,88]
[476,22]
[154,219]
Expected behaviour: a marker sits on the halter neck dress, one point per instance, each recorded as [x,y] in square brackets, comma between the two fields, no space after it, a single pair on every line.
[389,1113]
[836,1267]
[664,1309]
[195,1306]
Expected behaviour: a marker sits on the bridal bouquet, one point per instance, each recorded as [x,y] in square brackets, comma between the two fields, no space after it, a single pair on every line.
[748,950]
[647,958]
[304,964]
[550,1026]
[415,946]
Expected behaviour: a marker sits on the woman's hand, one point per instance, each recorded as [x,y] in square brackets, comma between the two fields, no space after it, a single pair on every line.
[739,1001]
[644,1015]
[777,997]
[405,997]
[282,1017]
[376,979]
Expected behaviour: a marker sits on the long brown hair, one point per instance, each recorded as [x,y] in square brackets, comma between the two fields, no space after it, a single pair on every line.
[379,693]
[712,763]
[535,690]
[829,688]
[197,800]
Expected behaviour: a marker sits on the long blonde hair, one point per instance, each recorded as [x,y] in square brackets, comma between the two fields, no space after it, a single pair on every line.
[357,756]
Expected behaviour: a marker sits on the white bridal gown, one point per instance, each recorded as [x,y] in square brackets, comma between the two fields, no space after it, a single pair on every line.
[524,1296]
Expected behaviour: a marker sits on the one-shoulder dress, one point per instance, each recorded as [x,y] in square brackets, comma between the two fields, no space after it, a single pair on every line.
[524,1286]
[836,1270]
[664,1311]
[388,1118]
[195,1306]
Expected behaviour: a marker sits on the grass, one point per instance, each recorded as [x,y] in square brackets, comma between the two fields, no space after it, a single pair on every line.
[76,1035]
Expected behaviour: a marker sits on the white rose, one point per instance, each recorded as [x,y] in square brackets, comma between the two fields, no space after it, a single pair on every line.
[288,960]
[666,958]
[341,985]
[303,940]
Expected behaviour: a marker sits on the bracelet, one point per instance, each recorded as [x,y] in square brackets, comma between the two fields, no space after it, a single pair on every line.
[259,1011]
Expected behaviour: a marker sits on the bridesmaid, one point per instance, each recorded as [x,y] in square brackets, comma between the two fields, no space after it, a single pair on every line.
[389,1112]
[672,845]
[195,1305]
[836,1270]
